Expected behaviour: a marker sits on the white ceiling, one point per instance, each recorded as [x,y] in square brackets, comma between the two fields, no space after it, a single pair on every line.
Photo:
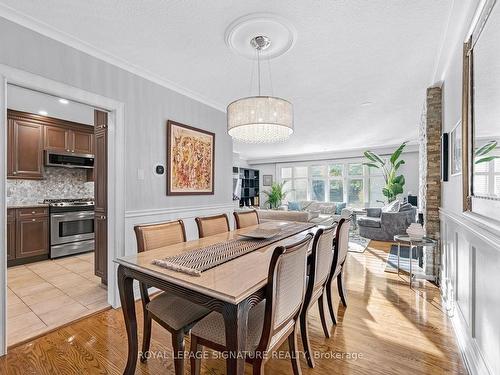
[347,52]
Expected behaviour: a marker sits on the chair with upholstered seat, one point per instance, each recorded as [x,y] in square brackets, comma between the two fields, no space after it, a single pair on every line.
[245,219]
[212,225]
[175,314]
[337,271]
[320,265]
[270,322]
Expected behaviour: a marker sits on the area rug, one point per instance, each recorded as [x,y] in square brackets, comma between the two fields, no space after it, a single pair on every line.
[357,244]
[404,261]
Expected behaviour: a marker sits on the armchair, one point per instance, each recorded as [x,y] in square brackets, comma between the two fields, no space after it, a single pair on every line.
[383,226]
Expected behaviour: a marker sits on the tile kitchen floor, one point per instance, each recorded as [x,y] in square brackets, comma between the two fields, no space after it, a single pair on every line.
[44,295]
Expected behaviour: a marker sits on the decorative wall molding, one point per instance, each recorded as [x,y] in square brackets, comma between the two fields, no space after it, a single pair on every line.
[53,33]
[177,210]
[471,257]
[471,354]
[485,229]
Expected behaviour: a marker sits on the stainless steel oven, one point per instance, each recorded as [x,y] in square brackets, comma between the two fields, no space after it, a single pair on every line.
[71,228]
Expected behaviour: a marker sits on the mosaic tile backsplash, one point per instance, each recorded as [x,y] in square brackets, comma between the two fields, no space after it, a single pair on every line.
[58,183]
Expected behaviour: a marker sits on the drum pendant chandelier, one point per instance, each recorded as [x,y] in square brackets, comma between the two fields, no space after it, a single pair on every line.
[260,119]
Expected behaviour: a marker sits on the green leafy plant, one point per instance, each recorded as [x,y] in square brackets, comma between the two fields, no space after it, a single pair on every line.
[393,183]
[481,153]
[275,195]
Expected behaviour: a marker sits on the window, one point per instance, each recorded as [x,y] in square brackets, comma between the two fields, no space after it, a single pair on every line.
[336,191]
[487,177]
[356,193]
[338,181]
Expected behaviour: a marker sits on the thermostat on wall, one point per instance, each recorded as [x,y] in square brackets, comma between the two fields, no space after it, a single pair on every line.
[160,169]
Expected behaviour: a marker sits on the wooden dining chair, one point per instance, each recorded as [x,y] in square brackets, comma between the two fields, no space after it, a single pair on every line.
[212,225]
[320,265]
[337,271]
[177,315]
[270,322]
[245,219]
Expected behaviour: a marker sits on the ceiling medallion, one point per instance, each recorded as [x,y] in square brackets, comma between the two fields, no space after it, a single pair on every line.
[276,28]
[260,119]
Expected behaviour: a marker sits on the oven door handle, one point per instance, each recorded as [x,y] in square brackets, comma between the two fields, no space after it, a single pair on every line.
[75,215]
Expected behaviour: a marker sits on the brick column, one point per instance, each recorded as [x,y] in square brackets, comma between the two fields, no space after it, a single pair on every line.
[433,129]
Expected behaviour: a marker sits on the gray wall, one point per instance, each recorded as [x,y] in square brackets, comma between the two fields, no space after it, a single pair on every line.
[147,108]
[470,244]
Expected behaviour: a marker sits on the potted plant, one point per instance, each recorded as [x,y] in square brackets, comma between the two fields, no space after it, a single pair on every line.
[393,183]
[275,195]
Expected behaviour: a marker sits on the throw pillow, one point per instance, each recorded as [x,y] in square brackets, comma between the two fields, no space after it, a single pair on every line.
[392,207]
[339,207]
[315,206]
[293,206]
[405,207]
[328,209]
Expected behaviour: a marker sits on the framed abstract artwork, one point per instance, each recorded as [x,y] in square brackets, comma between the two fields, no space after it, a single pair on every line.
[190,160]
[267,180]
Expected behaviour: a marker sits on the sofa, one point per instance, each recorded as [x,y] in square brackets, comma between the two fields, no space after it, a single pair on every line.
[382,225]
[322,213]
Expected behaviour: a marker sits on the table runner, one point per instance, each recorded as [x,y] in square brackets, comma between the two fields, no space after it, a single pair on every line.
[194,262]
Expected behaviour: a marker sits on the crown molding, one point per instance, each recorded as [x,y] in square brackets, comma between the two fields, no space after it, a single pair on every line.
[82,46]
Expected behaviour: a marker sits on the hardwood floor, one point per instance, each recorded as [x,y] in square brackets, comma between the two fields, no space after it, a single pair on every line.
[387,328]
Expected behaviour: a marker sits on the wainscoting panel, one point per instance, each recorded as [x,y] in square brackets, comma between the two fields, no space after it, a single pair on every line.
[187,214]
[470,288]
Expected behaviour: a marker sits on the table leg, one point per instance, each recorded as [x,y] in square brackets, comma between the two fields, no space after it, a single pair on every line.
[236,319]
[126,288]
[411,261]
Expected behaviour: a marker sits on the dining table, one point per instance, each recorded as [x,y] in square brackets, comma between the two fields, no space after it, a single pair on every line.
[231,288]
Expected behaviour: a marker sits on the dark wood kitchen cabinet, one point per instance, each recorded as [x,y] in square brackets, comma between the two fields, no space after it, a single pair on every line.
[56,139]
[24,149]
[11,234]
[101,195]
[66,140]
[28,135]
[27,235]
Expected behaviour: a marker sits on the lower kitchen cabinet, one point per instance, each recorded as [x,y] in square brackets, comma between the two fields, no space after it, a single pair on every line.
[27,235]
[11,234]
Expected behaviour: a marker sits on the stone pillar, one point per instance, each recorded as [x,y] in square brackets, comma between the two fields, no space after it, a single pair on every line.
[432,139]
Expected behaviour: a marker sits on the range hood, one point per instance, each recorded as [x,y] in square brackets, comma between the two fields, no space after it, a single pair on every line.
[68,160]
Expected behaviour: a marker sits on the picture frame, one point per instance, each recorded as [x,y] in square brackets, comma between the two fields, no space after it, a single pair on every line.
[455,145]
[267,180]
[190,160]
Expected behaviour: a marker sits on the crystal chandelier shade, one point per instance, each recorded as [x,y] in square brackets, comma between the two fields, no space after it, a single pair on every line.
[260,119]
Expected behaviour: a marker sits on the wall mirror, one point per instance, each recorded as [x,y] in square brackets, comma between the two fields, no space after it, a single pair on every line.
[481,114]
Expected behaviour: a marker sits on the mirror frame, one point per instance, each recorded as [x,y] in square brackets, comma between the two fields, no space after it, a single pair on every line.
[485,206]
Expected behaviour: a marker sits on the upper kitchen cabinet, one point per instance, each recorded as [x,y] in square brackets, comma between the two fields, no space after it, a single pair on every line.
[57,139]
[66,140]
[29,135]
[24,149]
[82,142]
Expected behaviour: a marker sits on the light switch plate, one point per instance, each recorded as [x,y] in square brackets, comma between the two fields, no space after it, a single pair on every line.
[140,174]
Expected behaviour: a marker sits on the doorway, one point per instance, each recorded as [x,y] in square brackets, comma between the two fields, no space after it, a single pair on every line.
[114,213]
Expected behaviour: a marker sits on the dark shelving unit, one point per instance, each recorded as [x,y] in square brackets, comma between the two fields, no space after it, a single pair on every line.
[249,187]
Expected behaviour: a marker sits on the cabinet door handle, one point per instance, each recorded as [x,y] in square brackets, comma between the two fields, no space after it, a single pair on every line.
[33,212]
[102,217]
[14,172]
[33,219]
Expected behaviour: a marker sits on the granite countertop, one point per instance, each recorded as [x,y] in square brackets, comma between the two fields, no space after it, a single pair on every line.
[26,204]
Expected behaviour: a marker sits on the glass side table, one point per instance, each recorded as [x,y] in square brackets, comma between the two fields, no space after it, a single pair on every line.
[405,239]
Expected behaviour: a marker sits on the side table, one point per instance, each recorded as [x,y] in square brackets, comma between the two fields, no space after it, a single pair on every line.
[405,239]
